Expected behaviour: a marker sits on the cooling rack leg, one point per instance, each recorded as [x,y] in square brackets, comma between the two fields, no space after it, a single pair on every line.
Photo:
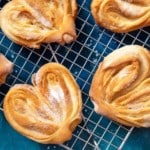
[55,58]
[125,139]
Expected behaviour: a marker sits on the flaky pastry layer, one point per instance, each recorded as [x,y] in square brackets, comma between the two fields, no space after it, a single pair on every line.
[120,88]
[30,23]
[49,111]
[121,15]
[6,67]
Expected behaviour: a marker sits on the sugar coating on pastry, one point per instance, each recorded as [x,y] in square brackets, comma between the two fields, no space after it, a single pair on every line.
[121,15]
[6,68]
[31,23]
[47,111]
[120,88]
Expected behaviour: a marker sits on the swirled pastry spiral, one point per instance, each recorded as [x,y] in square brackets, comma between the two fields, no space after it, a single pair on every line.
[6,68]
[121,15]
[48,111]
[120,88]
[30,23]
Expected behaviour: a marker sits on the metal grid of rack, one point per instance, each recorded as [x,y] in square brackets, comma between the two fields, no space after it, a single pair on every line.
[81,58]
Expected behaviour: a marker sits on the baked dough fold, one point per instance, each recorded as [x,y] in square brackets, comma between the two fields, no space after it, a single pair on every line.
[121,15]
[6,67]
[120,88]
[48,111]
[30,23]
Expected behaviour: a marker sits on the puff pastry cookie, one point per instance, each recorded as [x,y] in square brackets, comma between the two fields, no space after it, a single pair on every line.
[6,68]
[120,88]
[121,15]
[30,22]
[48,111]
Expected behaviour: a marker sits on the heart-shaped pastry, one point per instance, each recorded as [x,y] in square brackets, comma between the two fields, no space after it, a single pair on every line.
[120,88]
[30,22]
[48,111]
[6,67]
[121,15]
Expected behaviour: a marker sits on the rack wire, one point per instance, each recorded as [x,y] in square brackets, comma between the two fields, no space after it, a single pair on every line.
[81,58]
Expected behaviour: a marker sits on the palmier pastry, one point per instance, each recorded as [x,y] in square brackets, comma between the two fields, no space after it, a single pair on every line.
[32,22]
[120,88]
[121,15]
[48,111]
[6,68]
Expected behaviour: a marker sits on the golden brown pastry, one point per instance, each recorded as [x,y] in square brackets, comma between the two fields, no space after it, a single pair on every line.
[120,88]
[121,15]
[30,22]
[48,111]
[6,68]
